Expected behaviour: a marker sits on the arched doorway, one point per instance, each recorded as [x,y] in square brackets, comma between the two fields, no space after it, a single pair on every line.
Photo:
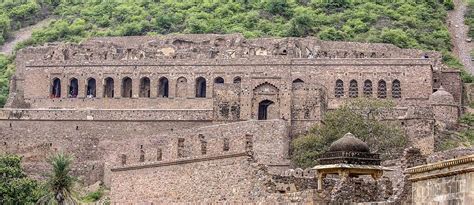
[90,92]
[127,87]
[163,87]
[200,87]
[219,80]
[56,88]
[109,87]
[263,109]
[144,87]
[266,102]
[73,88]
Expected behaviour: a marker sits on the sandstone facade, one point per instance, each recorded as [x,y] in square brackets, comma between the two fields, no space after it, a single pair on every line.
[121,102]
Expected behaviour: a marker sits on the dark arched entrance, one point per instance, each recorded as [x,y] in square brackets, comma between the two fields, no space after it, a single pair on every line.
[263,109]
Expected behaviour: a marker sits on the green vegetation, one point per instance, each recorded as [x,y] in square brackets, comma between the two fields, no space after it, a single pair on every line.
[15,186]
[93,196]
[406,24]
[7,68]
[453,62]
[17,14]
[60,183]
[358,117]
[465,137]
[469,18]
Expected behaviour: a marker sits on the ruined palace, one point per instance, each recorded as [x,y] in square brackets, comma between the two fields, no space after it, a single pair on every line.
[188,111]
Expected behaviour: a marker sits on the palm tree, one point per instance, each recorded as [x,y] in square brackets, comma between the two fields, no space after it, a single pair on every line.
[60,182]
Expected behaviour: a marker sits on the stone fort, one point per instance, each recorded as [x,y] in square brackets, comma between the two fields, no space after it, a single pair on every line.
[192,110]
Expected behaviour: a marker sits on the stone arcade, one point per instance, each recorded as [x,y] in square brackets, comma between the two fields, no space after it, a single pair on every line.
[218,105]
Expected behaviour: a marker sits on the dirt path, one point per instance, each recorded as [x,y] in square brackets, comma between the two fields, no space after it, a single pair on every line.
[458,31]
[21,35]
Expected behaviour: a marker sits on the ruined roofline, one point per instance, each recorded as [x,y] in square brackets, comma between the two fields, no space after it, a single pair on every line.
[216,46]
[441,164]
[261,61]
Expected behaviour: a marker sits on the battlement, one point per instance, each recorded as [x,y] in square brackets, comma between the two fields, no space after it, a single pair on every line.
[266,141]
[214,46]
[195,159]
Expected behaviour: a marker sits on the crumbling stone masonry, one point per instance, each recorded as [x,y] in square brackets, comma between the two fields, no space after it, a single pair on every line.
[445,182]
[125,100]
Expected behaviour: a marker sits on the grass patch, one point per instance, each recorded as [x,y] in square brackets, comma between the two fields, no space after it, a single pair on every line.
[94,196]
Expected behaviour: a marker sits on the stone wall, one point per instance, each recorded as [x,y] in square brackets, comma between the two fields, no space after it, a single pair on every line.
[87,140]
[444,182]
[268,140]
[204,179]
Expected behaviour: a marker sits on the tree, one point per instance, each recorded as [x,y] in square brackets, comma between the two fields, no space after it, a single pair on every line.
[60,182]
[15,186]
[360,117]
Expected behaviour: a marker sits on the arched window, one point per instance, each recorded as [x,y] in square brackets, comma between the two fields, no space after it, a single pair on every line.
[181,87]
[73,88]
[144,87]
[353,89]
[90,89]
[368,88]
[396,89]
[109,88]
[382,89]
[200,87]
[56,88]
[237,80]
[219,80]
[263,109]
[297,84]
[127,87]
[339,88]
[163,88]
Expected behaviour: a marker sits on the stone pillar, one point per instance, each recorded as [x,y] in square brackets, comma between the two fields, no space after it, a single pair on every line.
[118,87]
[81,87]
[135,87]
[154,86]
[172,86]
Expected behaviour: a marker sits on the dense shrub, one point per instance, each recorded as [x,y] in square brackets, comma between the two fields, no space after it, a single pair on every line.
[15,186]
[469,17]
[358,117]
[406,24]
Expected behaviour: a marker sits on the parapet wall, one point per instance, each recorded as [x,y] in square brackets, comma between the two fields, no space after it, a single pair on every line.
[107,115]
[268,140]
[444,182]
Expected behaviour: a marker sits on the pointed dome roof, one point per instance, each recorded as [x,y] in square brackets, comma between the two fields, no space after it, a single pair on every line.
[349,143]
[441,96]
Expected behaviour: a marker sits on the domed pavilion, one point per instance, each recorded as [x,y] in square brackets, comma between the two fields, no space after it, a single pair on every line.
[349,157]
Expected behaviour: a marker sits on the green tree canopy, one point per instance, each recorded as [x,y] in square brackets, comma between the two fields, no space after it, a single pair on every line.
[15,186]
[360,117]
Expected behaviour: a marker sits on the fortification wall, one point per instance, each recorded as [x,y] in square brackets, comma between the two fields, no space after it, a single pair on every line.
[268,139]
[444,182]
[36,139]
[228,177]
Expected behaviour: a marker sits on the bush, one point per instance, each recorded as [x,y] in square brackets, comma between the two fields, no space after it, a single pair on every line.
[407,24]
[94,196]
[469,17]
[15,186]
[359,117]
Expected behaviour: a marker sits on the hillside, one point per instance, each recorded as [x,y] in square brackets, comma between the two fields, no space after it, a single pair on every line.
[406,24]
